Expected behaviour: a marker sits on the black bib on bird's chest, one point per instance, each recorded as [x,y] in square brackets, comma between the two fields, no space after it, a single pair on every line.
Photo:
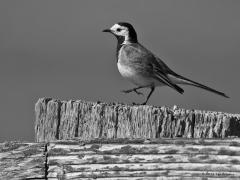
[121,39]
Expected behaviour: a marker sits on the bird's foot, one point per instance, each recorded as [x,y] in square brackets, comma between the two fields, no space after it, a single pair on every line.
[137,92]
[135,104]
[132,90]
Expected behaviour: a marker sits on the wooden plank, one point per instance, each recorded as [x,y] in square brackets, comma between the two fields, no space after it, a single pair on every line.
[142,158]
[22,160]
[161,178]
[145,159]
[56,149]
[88,120]
[150,174]
[72,177]
[177,141]
[166,178]
[121,159]
[149,167]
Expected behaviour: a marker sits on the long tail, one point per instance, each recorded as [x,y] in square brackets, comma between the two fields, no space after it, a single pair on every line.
[196,84]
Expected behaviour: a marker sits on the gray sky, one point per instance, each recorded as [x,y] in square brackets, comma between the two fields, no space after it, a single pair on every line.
[56,49]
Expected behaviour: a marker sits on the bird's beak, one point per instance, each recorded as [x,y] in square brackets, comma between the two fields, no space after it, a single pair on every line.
[106,30]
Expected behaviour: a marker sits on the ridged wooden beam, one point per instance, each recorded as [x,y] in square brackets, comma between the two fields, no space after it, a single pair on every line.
[144,159]
[58,120]
[165,158]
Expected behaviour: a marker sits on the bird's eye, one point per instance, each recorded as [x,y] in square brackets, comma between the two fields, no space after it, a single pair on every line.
[118,29]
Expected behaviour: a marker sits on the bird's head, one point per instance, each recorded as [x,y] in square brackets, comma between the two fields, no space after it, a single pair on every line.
[124,32]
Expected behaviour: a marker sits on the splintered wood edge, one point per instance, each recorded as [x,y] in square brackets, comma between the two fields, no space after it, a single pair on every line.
[171,108]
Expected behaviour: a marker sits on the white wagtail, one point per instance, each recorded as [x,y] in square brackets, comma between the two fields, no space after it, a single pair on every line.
[142,67]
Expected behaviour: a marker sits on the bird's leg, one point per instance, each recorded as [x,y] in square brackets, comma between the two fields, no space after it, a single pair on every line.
[134,90]
[152,89]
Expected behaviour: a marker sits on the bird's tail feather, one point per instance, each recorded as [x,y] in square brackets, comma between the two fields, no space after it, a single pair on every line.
[196,84]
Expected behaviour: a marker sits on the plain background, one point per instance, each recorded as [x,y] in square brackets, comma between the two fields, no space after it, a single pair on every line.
[56,49]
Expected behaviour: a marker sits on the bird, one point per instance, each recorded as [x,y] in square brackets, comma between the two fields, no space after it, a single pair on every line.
[143,68]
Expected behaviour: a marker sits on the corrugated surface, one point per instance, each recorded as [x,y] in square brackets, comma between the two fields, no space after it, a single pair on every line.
[56,120]
[139,159]
[121,159]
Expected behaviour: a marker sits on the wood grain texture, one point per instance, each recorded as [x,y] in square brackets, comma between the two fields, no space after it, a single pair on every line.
[180,158]
[19,160]
[144,159]
[48,119]
[56,120]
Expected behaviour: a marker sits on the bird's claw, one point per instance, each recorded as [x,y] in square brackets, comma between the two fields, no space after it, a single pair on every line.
[135,104]
[132,90]
[138,93]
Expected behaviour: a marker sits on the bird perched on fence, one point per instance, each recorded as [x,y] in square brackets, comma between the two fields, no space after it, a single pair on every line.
[142,67]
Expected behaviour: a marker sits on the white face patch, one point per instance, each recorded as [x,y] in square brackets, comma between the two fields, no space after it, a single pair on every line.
[121,31]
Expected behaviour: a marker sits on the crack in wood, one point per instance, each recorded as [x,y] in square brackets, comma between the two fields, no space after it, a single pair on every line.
[46,161]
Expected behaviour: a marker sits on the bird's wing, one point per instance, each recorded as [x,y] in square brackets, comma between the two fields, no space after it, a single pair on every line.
[161,71]
[151,65]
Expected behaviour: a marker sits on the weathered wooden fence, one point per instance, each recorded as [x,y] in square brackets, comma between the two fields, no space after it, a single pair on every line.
[122,159]
[86,140]
[58,120]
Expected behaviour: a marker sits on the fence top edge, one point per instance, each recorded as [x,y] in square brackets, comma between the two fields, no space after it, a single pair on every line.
[172,109]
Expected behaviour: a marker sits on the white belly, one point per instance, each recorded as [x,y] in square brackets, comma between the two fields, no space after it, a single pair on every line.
[135,77]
